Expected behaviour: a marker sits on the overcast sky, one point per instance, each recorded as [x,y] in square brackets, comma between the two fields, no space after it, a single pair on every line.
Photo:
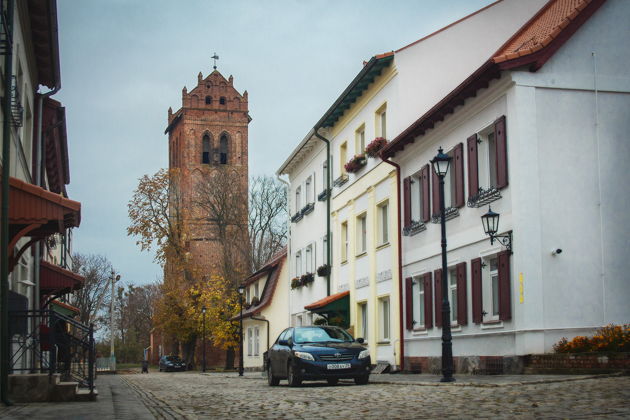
[124,62]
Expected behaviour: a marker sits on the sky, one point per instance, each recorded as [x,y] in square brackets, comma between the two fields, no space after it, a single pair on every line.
[125,62]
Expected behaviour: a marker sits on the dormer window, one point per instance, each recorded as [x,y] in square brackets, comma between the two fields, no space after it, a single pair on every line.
[222,100]
[208,100]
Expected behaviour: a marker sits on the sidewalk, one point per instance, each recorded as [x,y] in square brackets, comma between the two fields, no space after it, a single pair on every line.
[116,400]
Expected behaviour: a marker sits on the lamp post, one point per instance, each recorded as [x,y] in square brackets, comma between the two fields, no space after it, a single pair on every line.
[241,290]
[112,354]
[490,222]
[203,363]
[440,165]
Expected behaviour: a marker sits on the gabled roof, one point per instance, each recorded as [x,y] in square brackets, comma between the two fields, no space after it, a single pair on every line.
[272,269]
[531,46]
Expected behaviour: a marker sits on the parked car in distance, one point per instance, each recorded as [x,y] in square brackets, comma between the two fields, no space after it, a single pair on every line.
[171,363]
[317,353]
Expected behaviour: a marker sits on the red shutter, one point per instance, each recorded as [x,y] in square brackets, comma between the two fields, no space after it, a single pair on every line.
[473,166]
[426,193]
[462,303]
[500,141]
[407,201]
[477,296]
[435,181]
[505,299]
[428,301]
[458,167]
[409,302]
[438,297]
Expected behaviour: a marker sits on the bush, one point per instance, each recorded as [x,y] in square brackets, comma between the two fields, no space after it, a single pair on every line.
[610,338]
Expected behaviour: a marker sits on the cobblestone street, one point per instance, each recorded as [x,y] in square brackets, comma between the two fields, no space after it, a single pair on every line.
[225,396]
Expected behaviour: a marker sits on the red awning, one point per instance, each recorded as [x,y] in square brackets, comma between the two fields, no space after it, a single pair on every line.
[326,301]
[57,280]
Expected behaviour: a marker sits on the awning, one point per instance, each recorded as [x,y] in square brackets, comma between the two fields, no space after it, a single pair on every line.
[64,308]
[58,281]
[339,302]
[37,213]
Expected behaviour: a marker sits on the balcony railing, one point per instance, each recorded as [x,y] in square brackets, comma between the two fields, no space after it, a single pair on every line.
[449,213]
[413,228]
[341,180]
[484,197]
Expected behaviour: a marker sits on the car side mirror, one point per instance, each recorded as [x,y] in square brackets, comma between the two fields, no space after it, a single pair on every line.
[283,342]
[360,340]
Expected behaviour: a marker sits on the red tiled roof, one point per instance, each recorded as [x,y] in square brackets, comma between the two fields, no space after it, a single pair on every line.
[327,300]
[531,46]
[543,28]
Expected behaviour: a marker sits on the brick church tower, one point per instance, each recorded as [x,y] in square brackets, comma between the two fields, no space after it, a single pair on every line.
[208,136]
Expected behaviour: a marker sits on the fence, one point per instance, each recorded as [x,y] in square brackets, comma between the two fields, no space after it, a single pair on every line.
[48,342]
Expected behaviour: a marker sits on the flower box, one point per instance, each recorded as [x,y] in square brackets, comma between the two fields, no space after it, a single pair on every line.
[357,162]
[323,270]
[307,278]
[296,282]
[374,148]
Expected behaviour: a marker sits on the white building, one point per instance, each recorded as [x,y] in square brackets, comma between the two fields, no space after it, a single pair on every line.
[539,132]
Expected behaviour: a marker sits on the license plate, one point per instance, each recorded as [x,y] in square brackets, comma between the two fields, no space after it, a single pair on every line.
[338,366]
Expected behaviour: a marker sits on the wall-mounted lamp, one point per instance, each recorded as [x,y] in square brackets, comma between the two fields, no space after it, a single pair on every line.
[490,222]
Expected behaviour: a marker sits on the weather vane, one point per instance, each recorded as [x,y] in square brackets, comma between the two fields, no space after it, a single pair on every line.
[215,57]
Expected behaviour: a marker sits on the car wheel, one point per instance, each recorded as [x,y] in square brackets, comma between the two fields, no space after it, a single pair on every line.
[271,380]
[362,380]
[332,381]
[160,369]
[294,380]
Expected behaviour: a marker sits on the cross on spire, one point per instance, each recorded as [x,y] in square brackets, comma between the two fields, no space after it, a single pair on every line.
[215,57]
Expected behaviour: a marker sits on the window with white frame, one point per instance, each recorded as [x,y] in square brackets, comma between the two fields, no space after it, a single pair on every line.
[298,199]
[449,184]
[325,174]
[359,140]
[308,190]
[384,318]
[298,320]
[452,287]
[256,295]
[343,157]
[363,319]
[416,197]
[491,289]
[250,343]
[247,294]
[344,242]
[324,249]
[298,263]
[487,163]
[383,223]
[486,155]
[309,258]
[381,121]
[361,232]
[256,341]
[418,302]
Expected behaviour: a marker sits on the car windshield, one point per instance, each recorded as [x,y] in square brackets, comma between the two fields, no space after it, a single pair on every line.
[173,359]
[321,335]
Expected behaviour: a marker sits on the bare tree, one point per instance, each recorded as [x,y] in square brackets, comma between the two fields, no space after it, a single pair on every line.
[267,219]
[96,269]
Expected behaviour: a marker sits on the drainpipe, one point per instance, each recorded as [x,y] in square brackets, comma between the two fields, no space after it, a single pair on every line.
[328,196]
[400,282]
[4,220]
[264,320]
[285,182]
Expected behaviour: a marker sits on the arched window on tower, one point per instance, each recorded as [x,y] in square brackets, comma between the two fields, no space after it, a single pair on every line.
[205,156]
[222,100]
[208,100]
[223,150]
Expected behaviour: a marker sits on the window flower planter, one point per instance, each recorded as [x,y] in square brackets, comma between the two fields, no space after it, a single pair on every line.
[375,147]
[308,209]
[356,163]
[343,178]
[323,270]
[307,279]
[297,217]
[296,282]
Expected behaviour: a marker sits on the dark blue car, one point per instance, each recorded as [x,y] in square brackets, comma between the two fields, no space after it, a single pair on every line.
[172,363]
[316,353]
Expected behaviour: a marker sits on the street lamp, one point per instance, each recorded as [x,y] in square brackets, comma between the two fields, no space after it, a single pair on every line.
[112,354]
[241,291]
[440,164]
[490,222]
[203,363]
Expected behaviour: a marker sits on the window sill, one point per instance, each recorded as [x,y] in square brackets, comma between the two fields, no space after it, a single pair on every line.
[419,331]
[456,328]
[363,253]
[383,343]
[491,325]
[381,246]
[344,262]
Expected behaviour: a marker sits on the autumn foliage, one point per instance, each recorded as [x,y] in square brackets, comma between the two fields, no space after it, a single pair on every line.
[610,338]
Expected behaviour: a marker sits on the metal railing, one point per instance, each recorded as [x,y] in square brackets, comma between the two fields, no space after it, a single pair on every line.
[48,342]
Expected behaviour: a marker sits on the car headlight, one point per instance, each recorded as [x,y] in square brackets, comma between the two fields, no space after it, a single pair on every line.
[364,354]
[304,355]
